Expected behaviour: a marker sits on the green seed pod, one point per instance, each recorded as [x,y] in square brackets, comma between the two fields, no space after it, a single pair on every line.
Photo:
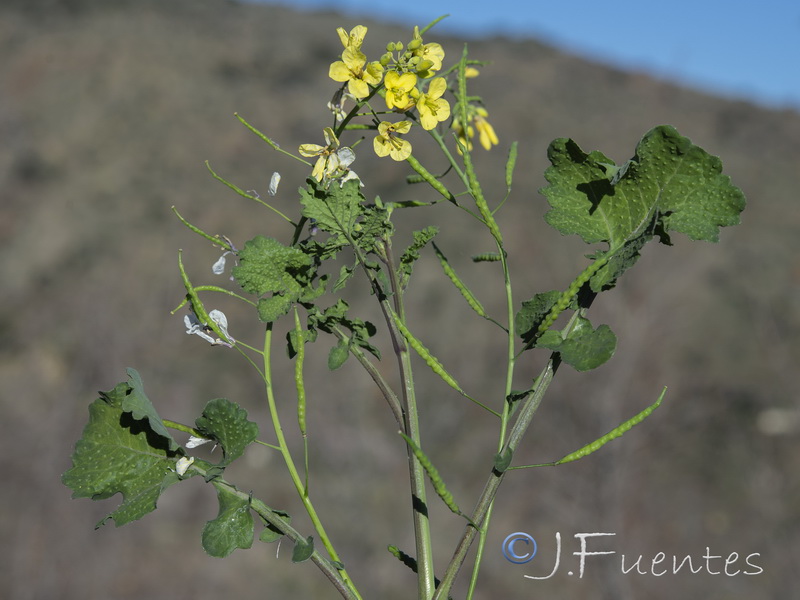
[453,276]
[429,358]
[613,434]
[433,474]
[486,257]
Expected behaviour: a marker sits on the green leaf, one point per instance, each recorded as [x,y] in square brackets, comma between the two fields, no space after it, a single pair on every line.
[272,309]
[669,184]
[233,528]
[267,266]
[118,454]
[411,255]
[336,209]
[336,316]
[138,404]
[340,211]
[227,423]
[345,273]
[271,533]
[585,348]
[533,312]
[503,460]
[303,551]
[338,355]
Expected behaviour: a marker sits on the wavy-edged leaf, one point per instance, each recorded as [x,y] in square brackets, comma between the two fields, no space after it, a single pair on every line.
[233,528]
[267,266]
[585,348]
[411,255]
[118,454]
[227,423]
[669,185]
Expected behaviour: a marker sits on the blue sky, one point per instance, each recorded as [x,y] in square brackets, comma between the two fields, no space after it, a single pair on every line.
[736,48]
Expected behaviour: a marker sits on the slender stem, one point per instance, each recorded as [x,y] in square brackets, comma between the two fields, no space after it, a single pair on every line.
[287,457]
[527,411]
[279,523]
[510,363]
[391,398]
[422,534]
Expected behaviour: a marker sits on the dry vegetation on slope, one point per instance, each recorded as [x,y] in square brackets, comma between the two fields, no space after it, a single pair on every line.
[107,112]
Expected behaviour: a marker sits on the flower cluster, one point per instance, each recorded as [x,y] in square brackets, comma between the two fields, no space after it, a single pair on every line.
[404,67]
[406,78]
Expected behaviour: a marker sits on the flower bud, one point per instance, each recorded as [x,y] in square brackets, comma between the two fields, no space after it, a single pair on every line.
[414,44]
[424,65]
[386,59]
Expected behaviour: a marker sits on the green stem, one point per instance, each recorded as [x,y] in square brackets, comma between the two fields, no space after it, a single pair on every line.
[391,398]
[484,504]
[287,457]
[422,534]
[510,363]
[335,575]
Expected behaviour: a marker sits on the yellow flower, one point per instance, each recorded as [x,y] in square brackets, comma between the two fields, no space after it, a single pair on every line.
[432,52]
[463,134]
[352,70]
[397,88]
[333,160]
[355,39]
[388,141]
[432,107]
[486,133]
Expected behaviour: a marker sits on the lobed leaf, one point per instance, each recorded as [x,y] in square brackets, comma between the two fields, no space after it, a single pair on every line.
[227,423]
[233,528]
[669,184]
[267,266]
[120,454]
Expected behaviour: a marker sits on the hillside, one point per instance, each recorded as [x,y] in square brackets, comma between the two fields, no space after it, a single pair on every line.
[107,114]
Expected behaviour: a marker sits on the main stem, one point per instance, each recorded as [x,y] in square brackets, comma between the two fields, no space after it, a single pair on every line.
[426,580]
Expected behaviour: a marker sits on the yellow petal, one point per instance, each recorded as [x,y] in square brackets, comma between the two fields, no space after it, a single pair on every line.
[358,88]
[311,150]
[401,151]
[319,169]
[402,127]
[437,87]
[354,59]
[339,71]
[381,145]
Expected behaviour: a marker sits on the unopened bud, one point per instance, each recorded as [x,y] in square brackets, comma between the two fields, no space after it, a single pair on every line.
[424,65]
[414,44]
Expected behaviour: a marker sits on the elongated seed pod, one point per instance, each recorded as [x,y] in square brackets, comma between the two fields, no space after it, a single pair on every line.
[453,276]
[510,163]
[298,374]
[430,179]
[572,291]
[487,257]
[613,434]
[433,474]
[425,355]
